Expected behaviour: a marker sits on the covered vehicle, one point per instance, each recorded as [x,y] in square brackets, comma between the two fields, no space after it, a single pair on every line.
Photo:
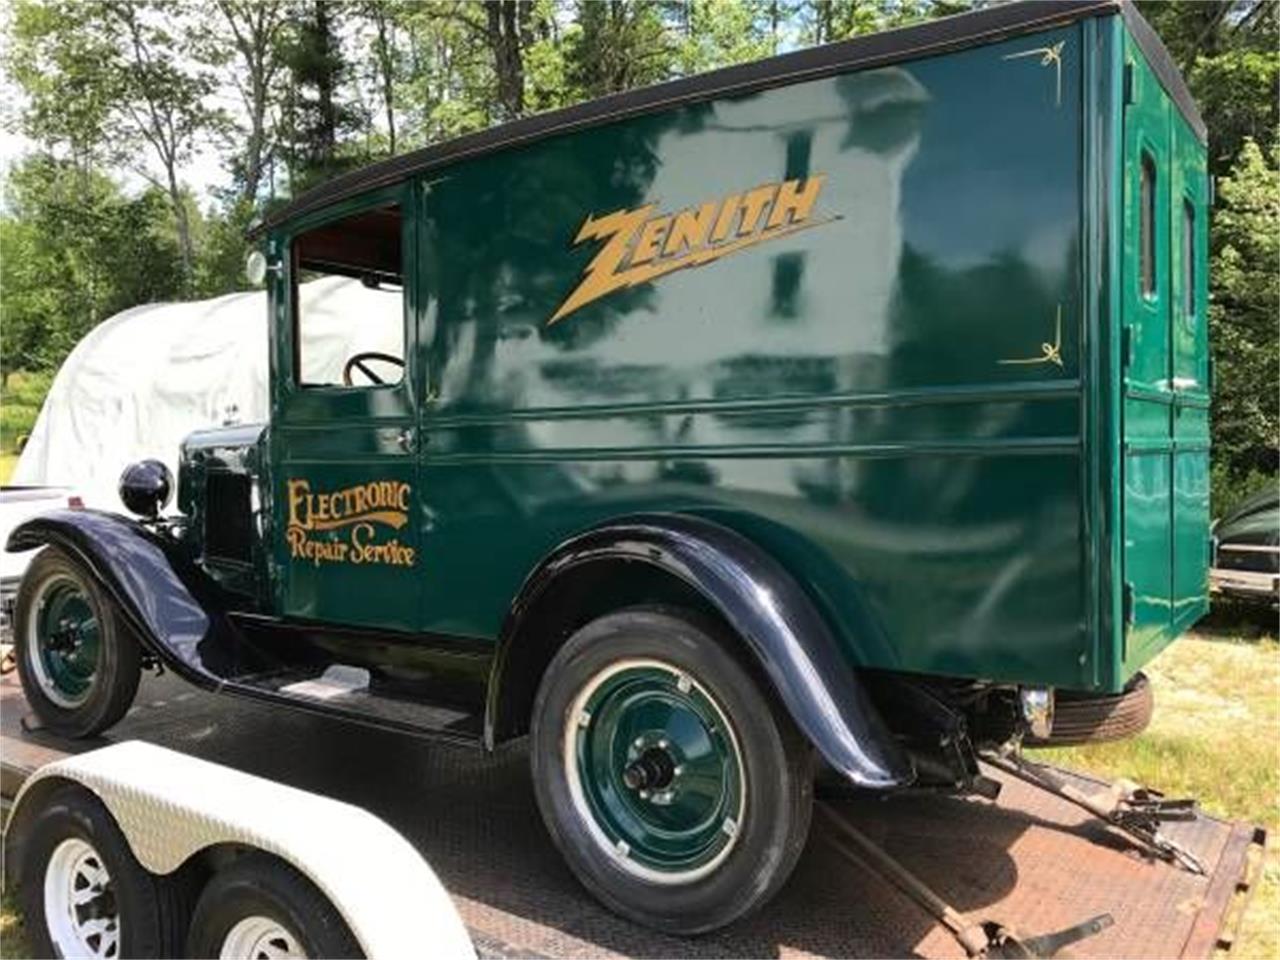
[1246,549]
[839,406]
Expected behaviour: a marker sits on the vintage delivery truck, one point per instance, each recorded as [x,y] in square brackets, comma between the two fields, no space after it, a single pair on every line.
[831,410]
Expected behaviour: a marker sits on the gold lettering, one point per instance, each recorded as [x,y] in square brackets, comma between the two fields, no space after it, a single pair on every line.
[693,237]
[753,205]
[794,201]
[650,242]
[601,275]
[689,230]
[298,492]
[724,223]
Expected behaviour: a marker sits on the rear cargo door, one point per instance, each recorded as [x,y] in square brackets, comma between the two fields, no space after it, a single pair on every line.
[1189,202]
[1147,349]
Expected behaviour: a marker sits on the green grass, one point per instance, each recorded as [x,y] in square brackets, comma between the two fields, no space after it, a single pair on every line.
[13,945]
[1215,736]
[7,462]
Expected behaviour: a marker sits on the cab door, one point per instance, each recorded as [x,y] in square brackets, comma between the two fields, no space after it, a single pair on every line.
[1147,359]
[344,412]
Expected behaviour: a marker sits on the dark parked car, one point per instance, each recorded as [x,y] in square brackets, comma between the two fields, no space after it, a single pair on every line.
[1246,549]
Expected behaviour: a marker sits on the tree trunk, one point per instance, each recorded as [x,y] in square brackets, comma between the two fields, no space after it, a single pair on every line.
[183,223]
[386,65]
[327,130]
[507,22]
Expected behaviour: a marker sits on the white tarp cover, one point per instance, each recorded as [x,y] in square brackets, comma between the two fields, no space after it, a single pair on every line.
[142,380]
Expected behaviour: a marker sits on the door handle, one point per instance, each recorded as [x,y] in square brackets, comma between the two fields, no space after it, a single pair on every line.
[405,439]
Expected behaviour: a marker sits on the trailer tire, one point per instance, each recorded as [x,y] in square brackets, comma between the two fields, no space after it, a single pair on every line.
[631,703]
[261,899]
[70,840]
[87,682]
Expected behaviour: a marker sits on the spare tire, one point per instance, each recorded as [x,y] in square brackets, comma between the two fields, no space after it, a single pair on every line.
[1080,718]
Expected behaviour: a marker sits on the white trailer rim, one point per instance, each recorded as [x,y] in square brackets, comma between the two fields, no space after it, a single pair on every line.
[76,884]
[260,938]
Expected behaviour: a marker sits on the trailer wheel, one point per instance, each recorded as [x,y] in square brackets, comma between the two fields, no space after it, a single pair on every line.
[679,793]
[83,892]
[259,906]
[78,662]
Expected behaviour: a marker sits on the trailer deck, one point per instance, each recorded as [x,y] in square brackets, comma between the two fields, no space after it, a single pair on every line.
[1030,861]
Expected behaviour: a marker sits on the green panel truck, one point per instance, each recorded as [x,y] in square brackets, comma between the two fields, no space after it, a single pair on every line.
[840,411]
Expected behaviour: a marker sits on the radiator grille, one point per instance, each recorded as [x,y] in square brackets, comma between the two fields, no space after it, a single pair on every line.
[228,520]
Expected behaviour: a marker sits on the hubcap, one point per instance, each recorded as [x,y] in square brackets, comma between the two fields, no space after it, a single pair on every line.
[260,938]
[79,902]
[63,641]
[654,771]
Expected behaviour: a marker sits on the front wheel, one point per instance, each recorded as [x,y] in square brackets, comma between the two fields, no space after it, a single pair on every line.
[78,662]
[677,790]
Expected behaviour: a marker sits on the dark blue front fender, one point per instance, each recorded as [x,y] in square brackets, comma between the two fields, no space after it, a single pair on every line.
[173,608]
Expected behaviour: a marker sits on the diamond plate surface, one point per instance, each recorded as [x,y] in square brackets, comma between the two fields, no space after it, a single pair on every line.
[1030,861]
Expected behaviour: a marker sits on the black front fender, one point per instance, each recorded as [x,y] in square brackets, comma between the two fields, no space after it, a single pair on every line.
[174,609]
[765,606]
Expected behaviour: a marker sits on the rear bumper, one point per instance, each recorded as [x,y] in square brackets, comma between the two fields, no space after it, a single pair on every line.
[1245,583]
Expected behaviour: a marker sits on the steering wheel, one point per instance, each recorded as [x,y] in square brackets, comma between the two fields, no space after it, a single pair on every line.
[359,361]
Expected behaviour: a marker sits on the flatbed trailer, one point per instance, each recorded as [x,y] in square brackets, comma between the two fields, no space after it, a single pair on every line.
[1029,860]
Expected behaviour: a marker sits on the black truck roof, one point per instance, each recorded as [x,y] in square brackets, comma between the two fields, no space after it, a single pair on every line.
[878,49]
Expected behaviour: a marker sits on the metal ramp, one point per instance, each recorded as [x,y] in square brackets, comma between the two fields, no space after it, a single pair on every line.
[1029,861]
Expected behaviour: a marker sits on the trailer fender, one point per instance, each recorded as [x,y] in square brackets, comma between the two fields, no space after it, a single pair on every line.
[764,605]
[170,806]
[172,606]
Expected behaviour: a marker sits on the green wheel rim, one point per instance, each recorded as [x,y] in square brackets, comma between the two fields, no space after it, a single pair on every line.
[655,770]
[64,642]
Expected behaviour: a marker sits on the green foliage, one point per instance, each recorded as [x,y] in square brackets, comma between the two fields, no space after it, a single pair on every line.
[719,33]
[619,45]
[73,251]
[1242,316]
[317,123]
[21,396]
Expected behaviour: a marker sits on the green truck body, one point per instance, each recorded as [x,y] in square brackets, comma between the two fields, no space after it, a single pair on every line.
[946,402]
[887,359]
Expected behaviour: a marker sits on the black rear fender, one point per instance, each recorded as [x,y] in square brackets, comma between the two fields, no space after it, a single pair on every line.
[782,631]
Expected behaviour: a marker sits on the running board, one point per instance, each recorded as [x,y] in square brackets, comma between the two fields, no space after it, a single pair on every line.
[345,692]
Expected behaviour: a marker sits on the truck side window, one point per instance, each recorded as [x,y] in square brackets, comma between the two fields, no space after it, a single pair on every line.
[348,301]
[1188,258]
[1147,239]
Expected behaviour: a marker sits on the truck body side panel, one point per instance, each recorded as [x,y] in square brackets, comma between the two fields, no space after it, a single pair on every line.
[888,395]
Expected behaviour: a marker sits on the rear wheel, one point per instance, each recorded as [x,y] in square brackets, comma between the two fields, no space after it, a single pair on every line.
[78,662]
[678,792]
